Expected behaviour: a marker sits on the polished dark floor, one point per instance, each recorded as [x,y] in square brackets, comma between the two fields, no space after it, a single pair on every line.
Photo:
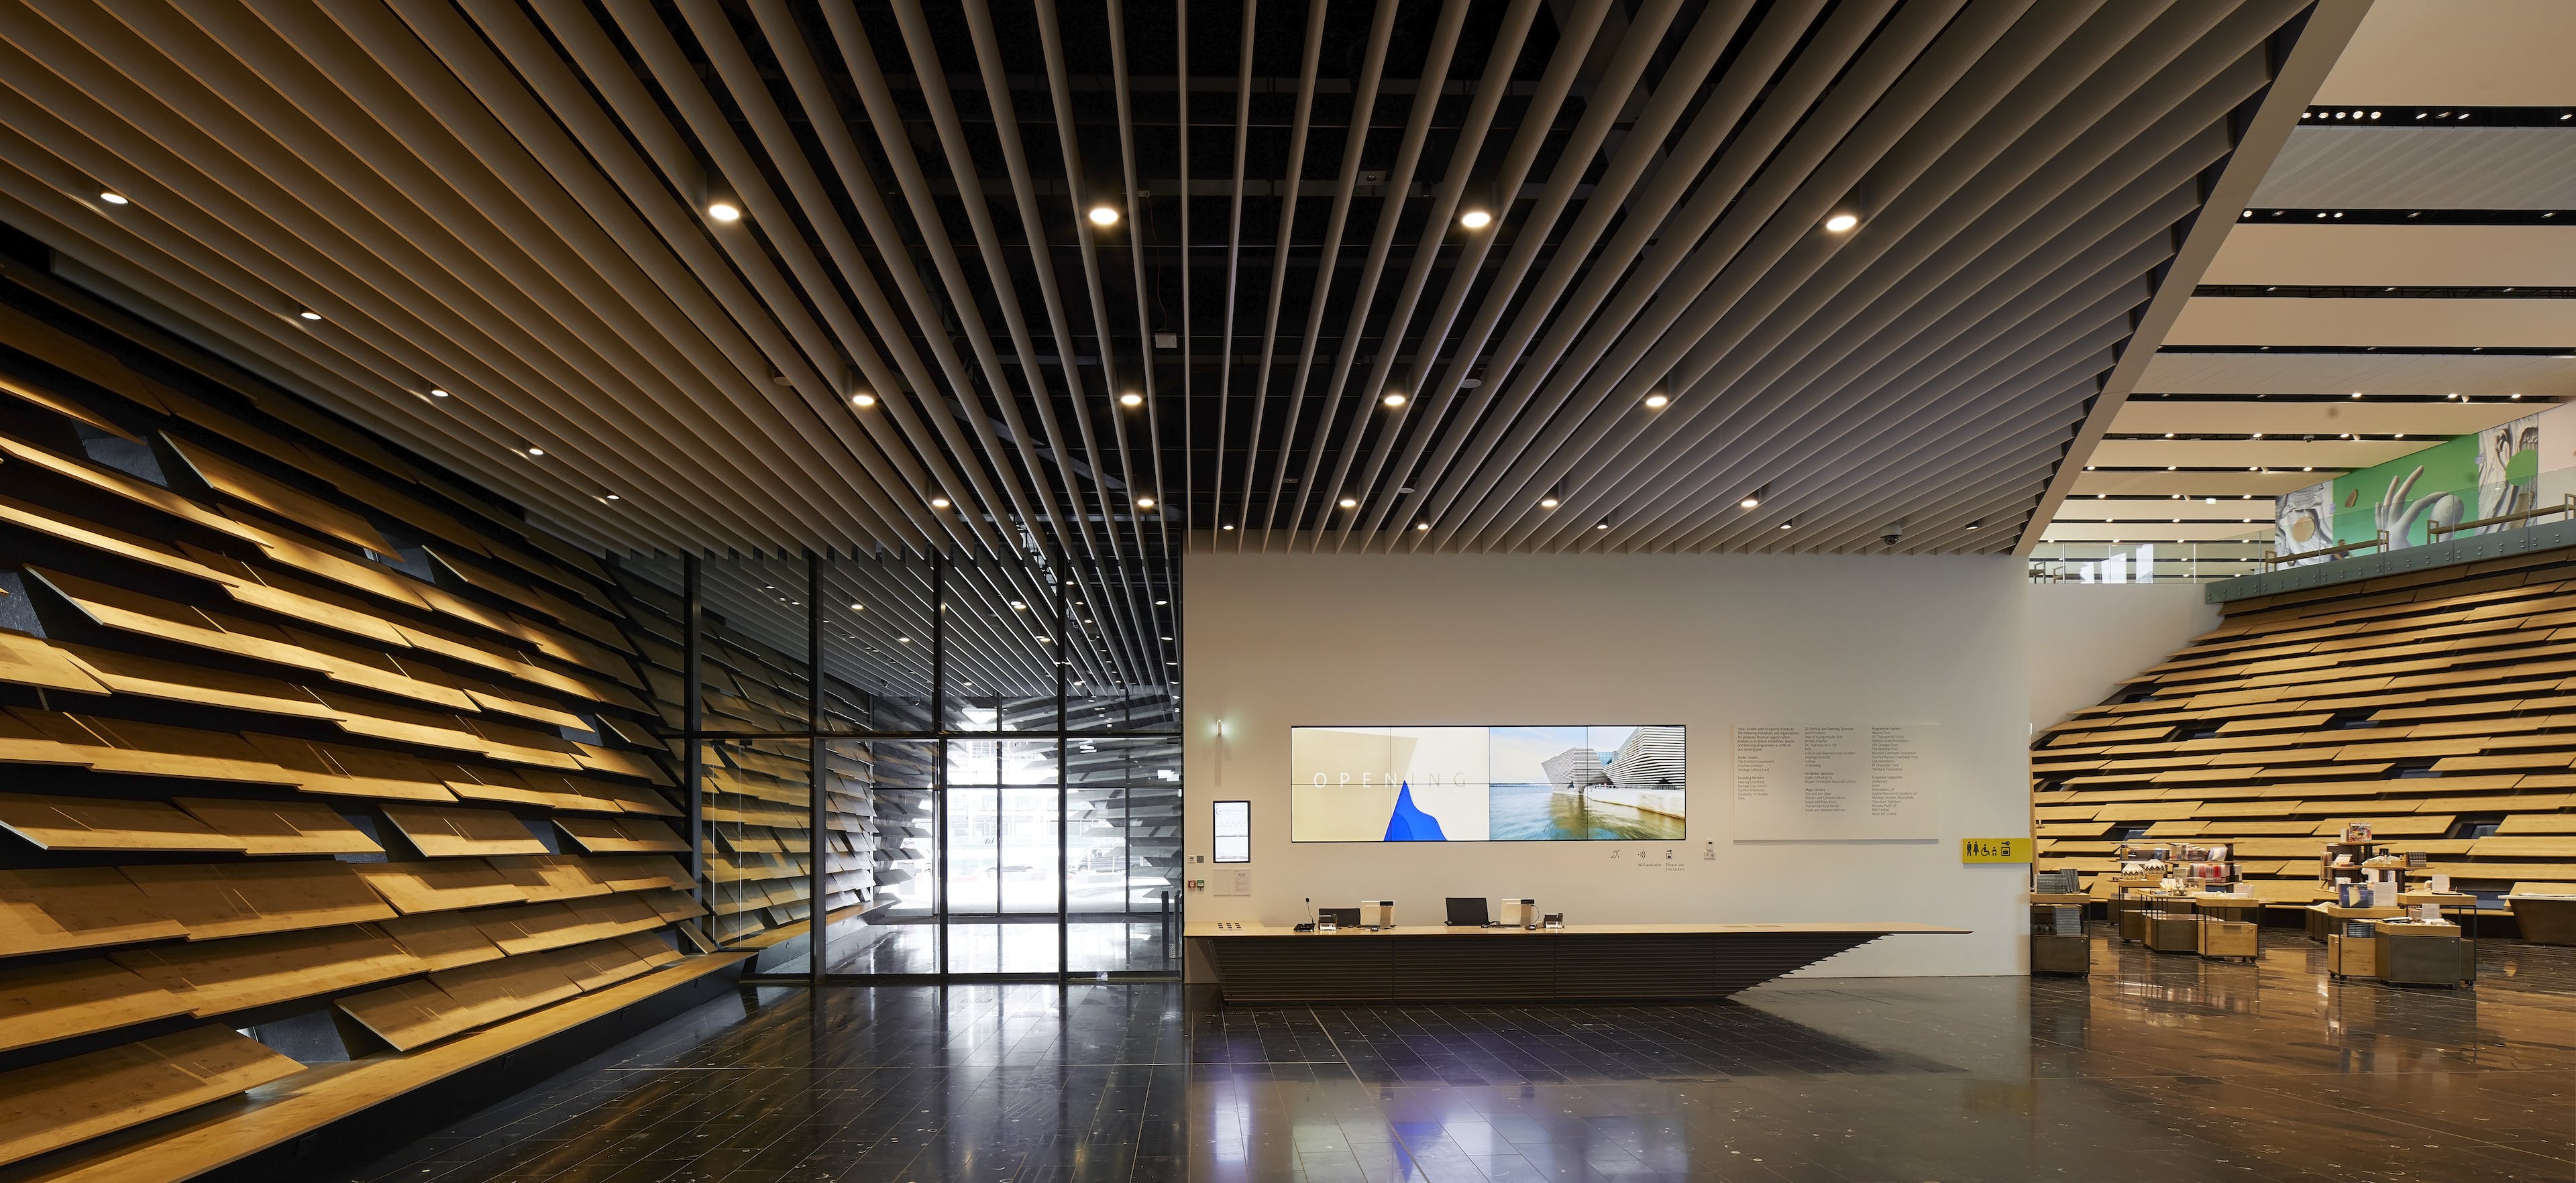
[2157,1068]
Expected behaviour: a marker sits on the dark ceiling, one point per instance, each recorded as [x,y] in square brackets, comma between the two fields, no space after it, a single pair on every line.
[511,202]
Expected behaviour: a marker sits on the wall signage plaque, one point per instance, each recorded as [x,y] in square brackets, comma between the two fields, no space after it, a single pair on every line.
[1835,782]
[1994,850]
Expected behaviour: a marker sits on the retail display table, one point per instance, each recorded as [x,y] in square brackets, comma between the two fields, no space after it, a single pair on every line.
[1266,963]
[2325,920]
[2247,908]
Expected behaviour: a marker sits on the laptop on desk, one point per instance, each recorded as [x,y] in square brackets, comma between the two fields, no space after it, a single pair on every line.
[1468,912]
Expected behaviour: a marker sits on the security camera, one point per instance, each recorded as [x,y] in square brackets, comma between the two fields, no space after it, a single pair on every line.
[1894,533]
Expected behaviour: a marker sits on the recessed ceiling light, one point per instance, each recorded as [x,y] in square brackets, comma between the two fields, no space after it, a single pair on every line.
[1104,215]
[1421,525]
[612,496]
[536,451]
[113,198]
[1657,400]
[1227,526]
[1547,502]
[1160,603]
[863,400]
[1350,503]
[858,607]
[1603,524]
[1979,524]
[2209,501]
[1476,219]
[308,314]
[1393,399]
[2356,394]
[435,392]
[724,211]
[1787,524]
[1842,222]
[1019,606]
[1144,503]
[903,640]
[1751,501]
[938,503]
[1131,399]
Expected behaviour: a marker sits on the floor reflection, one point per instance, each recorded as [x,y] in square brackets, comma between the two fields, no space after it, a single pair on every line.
[2162,1068]
[1013,946]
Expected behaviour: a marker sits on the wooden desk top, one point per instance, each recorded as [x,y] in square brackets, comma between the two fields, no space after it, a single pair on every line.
[2448,899]
[2060,897]
[1208,928]
[2340,912]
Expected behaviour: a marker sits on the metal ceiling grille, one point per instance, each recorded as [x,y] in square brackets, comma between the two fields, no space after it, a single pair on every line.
[511,202]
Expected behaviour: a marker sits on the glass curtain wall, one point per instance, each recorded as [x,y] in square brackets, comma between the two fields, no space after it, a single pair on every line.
[916,767]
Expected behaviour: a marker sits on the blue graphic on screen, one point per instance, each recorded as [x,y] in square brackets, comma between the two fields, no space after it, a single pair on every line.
[1409,824]
[1478,784]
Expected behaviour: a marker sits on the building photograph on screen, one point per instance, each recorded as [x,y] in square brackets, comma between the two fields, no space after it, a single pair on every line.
[1486,784]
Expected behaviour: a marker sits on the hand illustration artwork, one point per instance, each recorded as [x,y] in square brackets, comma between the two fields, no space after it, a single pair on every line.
[2398,517]
[2495,501]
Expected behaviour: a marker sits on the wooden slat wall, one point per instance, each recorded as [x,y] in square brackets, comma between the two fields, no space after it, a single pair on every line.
[294,733]
[2432,704]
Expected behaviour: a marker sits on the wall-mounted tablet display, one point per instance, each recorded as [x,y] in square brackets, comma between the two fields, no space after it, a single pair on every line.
[1233,831]
[1620,783]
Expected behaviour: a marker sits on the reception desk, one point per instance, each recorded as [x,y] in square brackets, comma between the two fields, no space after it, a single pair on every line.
[1648,962]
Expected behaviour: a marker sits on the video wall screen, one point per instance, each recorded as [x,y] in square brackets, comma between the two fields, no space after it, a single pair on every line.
[1486,784]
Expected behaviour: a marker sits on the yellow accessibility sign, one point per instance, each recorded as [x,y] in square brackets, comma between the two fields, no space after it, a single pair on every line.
[1994,850]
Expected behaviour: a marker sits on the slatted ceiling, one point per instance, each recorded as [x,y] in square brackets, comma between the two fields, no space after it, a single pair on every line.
[224,900]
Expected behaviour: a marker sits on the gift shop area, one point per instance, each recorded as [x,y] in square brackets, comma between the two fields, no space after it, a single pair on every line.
[1288,591]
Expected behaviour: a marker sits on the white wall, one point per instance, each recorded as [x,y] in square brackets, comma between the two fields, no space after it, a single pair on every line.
[1710,642]
[2085,637]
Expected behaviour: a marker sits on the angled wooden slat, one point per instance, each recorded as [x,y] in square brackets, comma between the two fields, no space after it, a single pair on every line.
[45,911]
[214,900]
[280,827]
[32,661]
[54,1105]
[43,1003]
[440,885]
[237,973]
[621,835]
[106,823]
[462,833]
